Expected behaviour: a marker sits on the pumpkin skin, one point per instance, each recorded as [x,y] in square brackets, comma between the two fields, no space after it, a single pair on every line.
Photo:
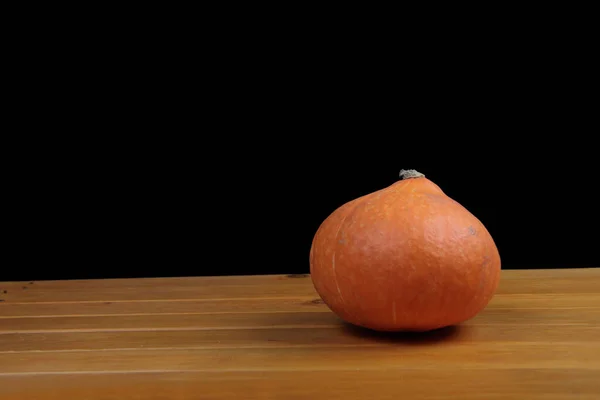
[404,258]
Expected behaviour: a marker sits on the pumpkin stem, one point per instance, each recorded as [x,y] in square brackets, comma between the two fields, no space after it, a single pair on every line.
[410,173]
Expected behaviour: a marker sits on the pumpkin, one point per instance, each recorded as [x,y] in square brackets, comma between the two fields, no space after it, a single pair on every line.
[404,258]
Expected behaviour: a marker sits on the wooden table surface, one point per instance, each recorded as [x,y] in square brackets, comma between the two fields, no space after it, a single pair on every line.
[270,337]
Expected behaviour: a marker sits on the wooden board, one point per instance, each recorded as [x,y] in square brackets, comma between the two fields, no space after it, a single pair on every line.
[270,337]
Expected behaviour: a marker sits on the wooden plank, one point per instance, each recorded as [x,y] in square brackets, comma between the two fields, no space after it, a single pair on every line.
[253,305]
[141,290]
[509,355]
[341,335]
[545,300]
[434,384]
[150,283]
[108,308]
[573,285]
[577,281]
[544,274]
[302,320]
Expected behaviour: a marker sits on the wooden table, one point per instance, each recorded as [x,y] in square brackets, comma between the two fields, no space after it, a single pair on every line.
[270,337]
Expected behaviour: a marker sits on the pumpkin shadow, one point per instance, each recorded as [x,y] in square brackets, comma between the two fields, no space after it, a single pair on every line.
[445,334]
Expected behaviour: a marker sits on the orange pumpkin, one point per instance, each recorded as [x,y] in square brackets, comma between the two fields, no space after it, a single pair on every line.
[404,258]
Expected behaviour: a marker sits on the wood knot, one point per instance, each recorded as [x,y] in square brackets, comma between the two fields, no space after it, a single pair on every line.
[297,275]
[316,301]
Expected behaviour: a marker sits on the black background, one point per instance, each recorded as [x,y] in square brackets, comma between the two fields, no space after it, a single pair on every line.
[167,162]
[207,209]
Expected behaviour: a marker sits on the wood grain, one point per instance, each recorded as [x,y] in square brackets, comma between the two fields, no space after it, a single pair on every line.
[270,337]
[435,384]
